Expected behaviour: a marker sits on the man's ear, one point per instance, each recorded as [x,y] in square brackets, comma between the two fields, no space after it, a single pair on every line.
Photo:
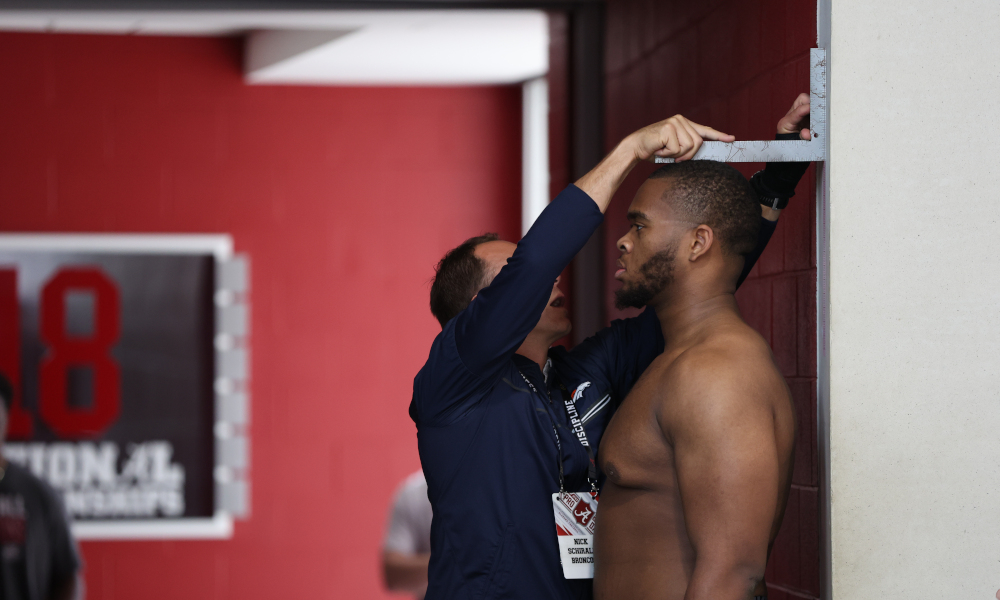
[704,239]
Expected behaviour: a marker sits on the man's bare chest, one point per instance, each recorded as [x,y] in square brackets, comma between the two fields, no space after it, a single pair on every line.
[635,452]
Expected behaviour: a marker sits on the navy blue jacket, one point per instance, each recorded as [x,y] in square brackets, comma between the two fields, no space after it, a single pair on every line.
[485,419]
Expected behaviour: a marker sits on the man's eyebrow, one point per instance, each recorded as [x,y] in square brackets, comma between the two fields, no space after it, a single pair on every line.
[634,215]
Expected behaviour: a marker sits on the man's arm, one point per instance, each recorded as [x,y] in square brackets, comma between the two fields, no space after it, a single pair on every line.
[784,177]
[405,572]
[675,137]
[501,316]
[722,431]
[779,179]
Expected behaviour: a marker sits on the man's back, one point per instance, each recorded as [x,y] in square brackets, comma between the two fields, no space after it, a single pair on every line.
[707,433]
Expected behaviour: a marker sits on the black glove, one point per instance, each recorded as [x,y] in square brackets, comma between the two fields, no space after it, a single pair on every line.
[776,183]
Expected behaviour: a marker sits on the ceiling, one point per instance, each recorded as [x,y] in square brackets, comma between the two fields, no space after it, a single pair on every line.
[340,47]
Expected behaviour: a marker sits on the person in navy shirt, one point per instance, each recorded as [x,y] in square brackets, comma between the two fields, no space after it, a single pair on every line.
[492,403]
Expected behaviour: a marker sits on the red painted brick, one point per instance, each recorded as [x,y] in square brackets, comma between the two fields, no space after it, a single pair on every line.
[747,40]
[809,541]
[739,113]
[717,53]
[718,115]
[772,33]
[703,9]
[815,439]
[688,44]
[699,114]
[761,123]
[614,40]
[636,100]
[754,298]
[664,75]
[806,319]
[783,316]
[813,175]
[798,232]
[776,594]
[670,17]
[805,412]
[613,110]
[801,25]
[632,32]
[772,261]
[746,169]
[785,553]
[650,35]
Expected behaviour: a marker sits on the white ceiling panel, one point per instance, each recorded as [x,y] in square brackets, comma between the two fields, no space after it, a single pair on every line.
[425,47]
[441,51]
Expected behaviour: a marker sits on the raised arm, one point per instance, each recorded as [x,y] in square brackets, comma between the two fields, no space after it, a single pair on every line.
[503,314]
[675,137]
[777,181]
[726,457]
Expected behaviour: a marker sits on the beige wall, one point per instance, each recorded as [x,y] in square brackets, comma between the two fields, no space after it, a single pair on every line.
[914,350]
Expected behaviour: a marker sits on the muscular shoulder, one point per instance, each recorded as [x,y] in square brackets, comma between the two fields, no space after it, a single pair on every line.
[722,382]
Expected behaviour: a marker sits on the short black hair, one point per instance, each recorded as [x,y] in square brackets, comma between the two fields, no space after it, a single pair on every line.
[716,194]
[458,277]
[6,391]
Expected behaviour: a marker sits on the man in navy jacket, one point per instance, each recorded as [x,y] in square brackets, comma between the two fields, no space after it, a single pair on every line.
[494,432]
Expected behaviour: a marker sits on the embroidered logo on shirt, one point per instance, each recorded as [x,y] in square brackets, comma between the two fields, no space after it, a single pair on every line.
[574,416]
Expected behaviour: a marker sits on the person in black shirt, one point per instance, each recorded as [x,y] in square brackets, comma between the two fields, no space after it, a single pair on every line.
[38,557]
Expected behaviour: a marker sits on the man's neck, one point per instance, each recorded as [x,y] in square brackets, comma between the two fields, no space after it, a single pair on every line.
[536,347]
[685,314]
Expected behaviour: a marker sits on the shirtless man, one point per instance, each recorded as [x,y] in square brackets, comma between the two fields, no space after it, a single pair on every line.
[698,457]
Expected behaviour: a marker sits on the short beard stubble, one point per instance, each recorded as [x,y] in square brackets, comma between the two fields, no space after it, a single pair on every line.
[657,272]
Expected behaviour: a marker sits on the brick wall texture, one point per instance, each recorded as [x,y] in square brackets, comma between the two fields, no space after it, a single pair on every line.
[736,65]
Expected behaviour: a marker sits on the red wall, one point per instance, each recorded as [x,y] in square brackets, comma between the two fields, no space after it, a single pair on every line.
[344,199]
[736,65]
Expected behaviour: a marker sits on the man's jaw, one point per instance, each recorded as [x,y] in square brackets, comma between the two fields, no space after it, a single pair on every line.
[650,279]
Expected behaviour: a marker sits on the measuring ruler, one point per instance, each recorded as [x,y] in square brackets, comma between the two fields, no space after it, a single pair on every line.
[774,150]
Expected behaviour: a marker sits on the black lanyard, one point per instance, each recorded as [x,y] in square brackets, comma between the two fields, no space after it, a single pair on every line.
[570,406]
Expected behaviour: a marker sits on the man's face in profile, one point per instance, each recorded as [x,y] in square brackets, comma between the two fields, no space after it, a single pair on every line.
[649,249]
